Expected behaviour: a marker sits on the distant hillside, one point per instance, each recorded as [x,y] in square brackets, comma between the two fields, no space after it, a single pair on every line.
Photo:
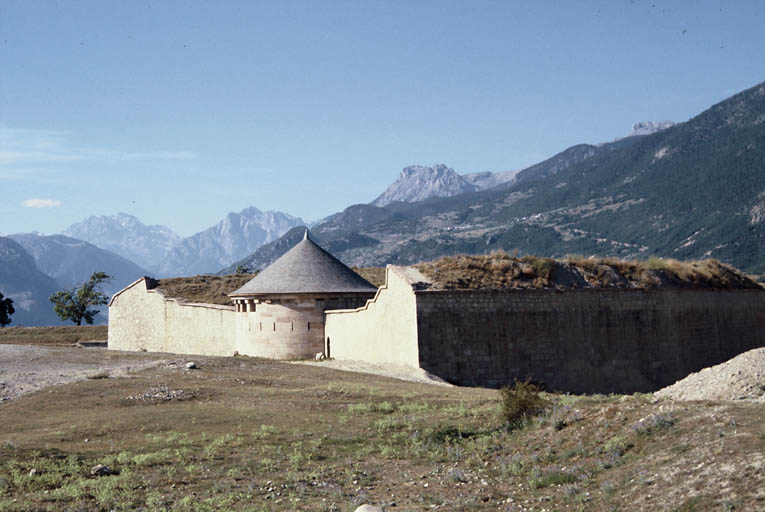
[694,190]
[71,262]
[26,285]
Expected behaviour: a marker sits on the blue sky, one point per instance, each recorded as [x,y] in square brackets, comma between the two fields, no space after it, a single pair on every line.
[181,111]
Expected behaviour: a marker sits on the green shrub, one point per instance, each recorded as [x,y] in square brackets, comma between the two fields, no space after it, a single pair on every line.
[520,403]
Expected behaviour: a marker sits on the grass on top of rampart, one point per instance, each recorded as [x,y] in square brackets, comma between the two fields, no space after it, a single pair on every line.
[499,270]
[207,289]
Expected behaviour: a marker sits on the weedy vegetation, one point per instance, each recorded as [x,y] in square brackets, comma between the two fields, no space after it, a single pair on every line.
[258,435]
[499,270]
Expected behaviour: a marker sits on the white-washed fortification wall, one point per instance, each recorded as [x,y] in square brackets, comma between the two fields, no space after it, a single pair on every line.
[287,327]
[141,319]
[382,331]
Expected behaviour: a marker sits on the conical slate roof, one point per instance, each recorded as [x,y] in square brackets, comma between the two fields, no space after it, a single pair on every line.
[306,268]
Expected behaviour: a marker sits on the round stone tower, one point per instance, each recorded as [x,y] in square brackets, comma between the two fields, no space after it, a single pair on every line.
[280,312]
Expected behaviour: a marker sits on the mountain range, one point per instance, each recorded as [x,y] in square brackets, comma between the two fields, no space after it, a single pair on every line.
[34,266]
[124,234]
[70,261]
[688,190]
[164,253]
[238,234]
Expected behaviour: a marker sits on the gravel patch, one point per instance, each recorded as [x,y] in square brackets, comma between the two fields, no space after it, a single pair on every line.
[28,368]
[741,378]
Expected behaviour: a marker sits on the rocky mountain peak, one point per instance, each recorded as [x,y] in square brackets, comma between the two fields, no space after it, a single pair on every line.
[649,127]
[234,237]
[419,182]
[124,234]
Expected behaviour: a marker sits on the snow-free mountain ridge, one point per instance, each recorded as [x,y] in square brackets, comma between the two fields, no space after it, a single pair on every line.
[71,261]
[164,253]
[691,190]
[127,236]
[29,288]
[237,235]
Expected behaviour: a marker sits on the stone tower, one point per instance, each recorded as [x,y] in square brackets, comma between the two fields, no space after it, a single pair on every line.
[280,312]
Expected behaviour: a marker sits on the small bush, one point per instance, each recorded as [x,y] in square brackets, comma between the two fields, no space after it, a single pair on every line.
[520,403]
[449,434]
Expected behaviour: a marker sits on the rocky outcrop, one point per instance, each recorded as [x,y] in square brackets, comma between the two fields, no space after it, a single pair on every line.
[418,182]
[649,127]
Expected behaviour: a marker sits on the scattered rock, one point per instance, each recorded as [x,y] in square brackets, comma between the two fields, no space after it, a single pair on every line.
[101,470]
[33,472]
[191,365]
[162,393]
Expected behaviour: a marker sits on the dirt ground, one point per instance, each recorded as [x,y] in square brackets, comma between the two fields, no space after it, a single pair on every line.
[240,433]
[27,368]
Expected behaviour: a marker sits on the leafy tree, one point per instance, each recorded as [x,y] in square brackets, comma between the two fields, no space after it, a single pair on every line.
[76,304]
[6,310]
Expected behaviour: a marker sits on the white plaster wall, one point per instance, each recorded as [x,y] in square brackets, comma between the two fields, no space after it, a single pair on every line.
[141,319]
[206,329]
[280,330]
[137,319]
[383,331]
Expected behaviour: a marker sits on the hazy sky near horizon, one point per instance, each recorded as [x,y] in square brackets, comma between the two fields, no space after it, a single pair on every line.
[179,112]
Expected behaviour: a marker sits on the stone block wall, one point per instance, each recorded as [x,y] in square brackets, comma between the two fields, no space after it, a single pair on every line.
[584,341]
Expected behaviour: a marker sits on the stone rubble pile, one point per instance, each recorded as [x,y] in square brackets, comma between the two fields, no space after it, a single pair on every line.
[162,393]
[741,378]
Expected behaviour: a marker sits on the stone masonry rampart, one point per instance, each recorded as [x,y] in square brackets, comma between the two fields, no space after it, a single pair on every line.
[584,341]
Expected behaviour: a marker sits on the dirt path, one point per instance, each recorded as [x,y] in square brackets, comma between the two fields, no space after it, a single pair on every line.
[396,371]
[28,368]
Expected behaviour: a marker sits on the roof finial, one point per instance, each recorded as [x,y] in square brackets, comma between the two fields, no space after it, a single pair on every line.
[305,236]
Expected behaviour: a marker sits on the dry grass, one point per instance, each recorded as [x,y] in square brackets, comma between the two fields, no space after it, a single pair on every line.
[210,289]
[206,289]
[62,335]
[261,435]
[375,275]
[499,270]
